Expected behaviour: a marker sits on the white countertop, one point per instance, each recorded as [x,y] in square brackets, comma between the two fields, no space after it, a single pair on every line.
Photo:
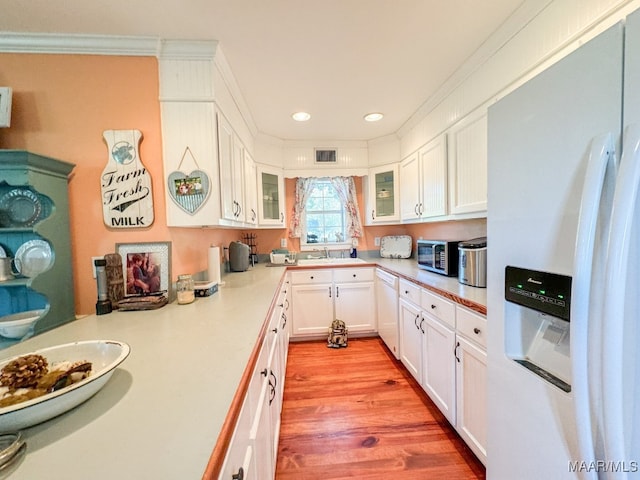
[410,270]
[160,414]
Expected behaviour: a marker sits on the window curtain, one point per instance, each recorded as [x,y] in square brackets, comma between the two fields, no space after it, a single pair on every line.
[346,188]
[303,190]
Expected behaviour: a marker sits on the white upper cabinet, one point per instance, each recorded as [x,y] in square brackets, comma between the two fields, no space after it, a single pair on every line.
[382,196]
[225,155]
[423,178]
[270,182]
[200,144]
[250,190]
[468,165]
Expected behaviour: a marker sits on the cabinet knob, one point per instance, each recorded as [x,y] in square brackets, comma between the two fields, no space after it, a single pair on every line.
[239,475]
[311,277]
[275,330]
[433,306]
[476,330]
[354,275]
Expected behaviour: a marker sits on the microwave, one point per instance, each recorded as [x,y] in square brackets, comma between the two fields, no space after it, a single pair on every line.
[439,256]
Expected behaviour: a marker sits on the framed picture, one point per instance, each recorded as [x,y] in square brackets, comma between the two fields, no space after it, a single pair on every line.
[5,106]
[146,268]
[188,186]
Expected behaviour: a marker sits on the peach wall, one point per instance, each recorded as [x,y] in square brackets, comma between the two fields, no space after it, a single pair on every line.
[61,106]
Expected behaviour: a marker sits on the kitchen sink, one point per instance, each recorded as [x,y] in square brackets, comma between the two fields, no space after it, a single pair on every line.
[329,261]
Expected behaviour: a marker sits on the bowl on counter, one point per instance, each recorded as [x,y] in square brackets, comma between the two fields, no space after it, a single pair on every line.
[104,355]
[17,325]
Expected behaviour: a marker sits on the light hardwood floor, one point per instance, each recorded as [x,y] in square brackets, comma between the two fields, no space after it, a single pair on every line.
[357,413]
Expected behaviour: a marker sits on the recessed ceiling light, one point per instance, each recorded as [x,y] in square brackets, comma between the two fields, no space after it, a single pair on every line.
[373,117]
[301,116]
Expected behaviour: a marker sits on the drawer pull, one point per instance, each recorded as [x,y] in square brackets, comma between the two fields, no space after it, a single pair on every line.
[476,330]
[455,352]
[264,372]
[433,306]
[239,475]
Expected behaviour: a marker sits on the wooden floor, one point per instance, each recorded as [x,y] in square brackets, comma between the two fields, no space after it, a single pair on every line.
[357,413]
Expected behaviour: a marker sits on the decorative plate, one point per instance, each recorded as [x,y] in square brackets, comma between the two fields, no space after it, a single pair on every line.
[33,258]
[396,246]
[104,355]
[21,206]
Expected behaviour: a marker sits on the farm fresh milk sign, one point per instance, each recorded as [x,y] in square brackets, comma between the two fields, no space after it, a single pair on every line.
[127,200]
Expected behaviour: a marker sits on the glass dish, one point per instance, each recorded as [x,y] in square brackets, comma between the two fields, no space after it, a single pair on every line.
[20,207]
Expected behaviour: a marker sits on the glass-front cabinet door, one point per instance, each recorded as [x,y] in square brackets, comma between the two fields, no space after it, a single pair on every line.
[383,204]
[271,196]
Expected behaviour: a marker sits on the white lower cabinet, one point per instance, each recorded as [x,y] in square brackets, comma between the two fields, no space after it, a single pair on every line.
[411,338]
[312,301]
[471,384]
[320,296]
[439,379]
[253,449]
[443,345]
[240,459]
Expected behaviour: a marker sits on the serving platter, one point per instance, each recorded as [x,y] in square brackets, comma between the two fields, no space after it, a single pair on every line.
[396,246]
[105,356]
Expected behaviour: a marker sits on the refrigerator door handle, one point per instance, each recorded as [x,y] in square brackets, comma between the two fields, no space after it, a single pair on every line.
[613,339]
[595,205]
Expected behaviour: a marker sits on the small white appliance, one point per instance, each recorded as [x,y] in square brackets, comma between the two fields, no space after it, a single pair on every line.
[472,262]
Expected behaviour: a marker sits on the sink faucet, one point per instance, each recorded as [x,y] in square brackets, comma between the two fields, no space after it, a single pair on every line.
[326,252]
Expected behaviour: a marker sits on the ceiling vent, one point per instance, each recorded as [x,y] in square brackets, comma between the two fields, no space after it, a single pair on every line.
[326,155]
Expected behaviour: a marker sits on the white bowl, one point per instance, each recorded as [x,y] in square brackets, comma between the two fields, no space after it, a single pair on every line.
[17,325]
[105,355]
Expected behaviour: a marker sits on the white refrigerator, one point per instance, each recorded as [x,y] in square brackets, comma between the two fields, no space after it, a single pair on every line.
[563,277]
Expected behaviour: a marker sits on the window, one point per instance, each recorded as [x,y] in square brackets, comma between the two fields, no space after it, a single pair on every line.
[325,212]
[324,220]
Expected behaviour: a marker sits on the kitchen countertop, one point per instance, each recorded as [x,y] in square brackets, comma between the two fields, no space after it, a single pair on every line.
[160,414]
[472,297]
[163,409]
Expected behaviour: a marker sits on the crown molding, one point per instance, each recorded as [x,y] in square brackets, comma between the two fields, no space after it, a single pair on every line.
[11,42]
[188,49]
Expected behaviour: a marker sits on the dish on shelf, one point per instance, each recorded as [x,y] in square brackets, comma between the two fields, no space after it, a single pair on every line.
[33,257]
[104,355]
[21,208]
[17,325]
[396,246]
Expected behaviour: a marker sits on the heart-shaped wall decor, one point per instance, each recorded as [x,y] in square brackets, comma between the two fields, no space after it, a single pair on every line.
[190,191]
